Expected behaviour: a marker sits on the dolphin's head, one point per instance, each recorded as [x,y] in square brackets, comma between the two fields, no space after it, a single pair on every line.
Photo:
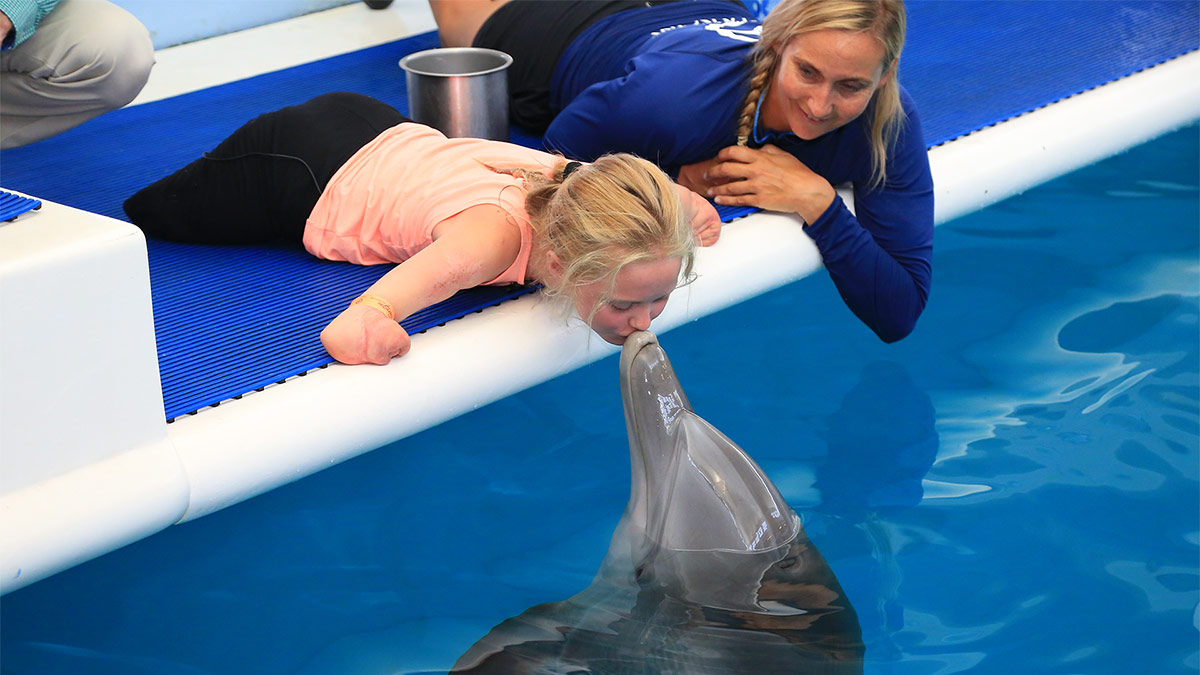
[709,571]
[701,513]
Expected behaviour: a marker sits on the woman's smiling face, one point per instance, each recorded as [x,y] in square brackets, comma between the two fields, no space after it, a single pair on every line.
[824,80]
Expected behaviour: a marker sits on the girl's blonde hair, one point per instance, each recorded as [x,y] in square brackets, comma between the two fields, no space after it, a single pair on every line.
[605,215]
[882,19]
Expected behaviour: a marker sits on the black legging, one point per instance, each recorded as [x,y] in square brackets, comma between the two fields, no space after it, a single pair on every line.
[260,184]
[536,33]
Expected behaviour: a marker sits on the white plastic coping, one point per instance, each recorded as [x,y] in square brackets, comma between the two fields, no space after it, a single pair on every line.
[246,447]
[85,464]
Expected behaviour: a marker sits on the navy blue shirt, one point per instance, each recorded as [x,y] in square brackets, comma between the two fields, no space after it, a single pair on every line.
[667,83]
[652,82]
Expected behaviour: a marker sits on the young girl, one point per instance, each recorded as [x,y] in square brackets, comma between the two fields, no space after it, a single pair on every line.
[770,114]
[356,181]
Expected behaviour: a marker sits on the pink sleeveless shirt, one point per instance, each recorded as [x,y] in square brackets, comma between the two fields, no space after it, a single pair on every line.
[382,205]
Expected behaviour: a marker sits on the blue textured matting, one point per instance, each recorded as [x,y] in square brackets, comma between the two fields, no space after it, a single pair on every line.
[13,205]
[229,320]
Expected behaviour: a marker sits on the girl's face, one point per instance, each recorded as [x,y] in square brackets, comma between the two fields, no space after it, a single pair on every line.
[638,297]
[824,80]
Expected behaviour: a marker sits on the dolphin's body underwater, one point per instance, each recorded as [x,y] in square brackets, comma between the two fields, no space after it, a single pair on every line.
[709,570]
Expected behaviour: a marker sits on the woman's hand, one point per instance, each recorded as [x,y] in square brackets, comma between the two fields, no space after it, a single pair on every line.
[767,178]
[701,216]
[363,334]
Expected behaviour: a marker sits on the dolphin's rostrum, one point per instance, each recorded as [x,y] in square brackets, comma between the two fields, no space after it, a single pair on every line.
[709,570]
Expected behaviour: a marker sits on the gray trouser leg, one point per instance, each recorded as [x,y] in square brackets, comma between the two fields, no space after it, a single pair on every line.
[86,58]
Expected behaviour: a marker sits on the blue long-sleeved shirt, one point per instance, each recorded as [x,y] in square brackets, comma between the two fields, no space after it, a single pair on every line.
[651,81]
[25,16]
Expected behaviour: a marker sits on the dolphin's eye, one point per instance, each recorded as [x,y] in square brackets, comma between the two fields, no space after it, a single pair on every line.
[637,572]
[787,562]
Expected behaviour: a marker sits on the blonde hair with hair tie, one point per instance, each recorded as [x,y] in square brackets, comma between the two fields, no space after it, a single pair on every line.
[605,215]
[882,19]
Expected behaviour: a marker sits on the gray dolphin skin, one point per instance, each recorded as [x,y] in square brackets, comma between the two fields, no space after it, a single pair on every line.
[709,571]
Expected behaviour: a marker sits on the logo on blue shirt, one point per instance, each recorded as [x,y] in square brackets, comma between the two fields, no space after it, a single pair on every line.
[729,27]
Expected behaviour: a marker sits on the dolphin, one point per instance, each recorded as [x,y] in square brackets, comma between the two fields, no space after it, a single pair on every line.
[709,571]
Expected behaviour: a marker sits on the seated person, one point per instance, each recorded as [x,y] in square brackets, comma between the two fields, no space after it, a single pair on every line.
[63,62]
[768,114]
[355,180]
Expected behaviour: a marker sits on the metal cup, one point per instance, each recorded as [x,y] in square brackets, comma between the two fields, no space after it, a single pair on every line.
[460,91]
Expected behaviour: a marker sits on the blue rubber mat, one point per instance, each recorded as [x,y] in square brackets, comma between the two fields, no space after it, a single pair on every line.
[12,205]
[972,63]
[229,320]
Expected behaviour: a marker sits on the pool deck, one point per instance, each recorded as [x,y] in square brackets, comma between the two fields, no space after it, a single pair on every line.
[68,498]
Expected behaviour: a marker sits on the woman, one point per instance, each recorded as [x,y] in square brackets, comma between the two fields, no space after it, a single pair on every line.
[356,181]
[772,123]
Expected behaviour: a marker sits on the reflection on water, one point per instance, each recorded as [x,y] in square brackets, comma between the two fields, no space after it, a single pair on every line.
[1070,316]
[1131,431]
[1131,326]
[881,443]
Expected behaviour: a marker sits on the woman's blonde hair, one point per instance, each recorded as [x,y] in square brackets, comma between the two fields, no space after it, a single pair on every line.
[605,215]
[882,19]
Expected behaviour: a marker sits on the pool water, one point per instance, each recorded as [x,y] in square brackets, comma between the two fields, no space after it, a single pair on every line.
[1012,487]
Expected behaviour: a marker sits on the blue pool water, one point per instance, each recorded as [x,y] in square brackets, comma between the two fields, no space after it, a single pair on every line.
[1013,487]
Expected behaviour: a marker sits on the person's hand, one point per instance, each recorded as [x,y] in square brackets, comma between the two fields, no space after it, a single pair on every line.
[362,334]
[695,176]
[701,216]
[768,178]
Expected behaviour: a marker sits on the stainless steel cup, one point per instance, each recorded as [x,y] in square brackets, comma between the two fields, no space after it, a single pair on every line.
[460,91]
